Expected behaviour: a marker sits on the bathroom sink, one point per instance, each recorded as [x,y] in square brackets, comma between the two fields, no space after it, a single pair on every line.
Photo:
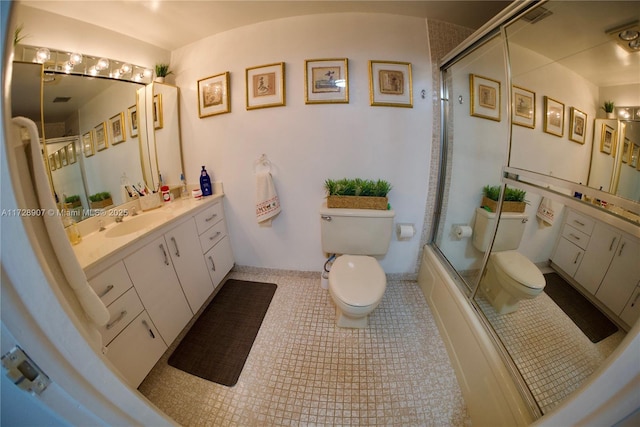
[136,223]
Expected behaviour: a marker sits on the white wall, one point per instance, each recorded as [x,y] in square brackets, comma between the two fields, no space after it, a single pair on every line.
[307,144]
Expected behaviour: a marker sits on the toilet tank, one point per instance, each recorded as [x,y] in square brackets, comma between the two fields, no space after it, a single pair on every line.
[356,231]
[510,230]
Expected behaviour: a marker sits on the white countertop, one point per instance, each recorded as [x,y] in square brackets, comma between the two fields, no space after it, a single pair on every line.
[96,246]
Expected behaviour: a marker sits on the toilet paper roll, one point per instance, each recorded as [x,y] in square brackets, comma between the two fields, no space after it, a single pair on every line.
[462,231]
[405,231]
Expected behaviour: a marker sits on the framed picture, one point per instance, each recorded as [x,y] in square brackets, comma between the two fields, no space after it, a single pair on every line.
[635,152]
[88,147]
[553,117]
[157,111]
[213,95]
[485,97]
[265,86]
[390,84]
[52,163]
[118,132]
[56,159]
[132,112]
[607,139]
[71,153]
[523,111]
[577,126]
[326,81]
[63,156]
[626,150]
[102,137]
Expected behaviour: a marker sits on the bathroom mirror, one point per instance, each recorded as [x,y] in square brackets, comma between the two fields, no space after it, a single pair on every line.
[565,60]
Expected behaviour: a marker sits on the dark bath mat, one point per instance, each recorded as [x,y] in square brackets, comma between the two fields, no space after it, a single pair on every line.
[595,325]
[217,345]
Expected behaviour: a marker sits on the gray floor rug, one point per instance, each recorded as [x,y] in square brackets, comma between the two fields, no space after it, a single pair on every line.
[218,344]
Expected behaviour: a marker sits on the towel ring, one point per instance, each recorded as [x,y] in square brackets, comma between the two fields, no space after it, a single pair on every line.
[262,164]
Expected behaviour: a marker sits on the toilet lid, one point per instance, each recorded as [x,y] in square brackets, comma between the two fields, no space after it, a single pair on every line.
[519,268]
[357,280]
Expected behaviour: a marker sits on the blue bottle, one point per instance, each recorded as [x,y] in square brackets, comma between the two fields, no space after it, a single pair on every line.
[205,182]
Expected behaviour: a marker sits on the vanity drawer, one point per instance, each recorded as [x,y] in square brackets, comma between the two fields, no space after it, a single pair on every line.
[111,283]
[209,217]
[212,236]
[121,313]
[575,236]
[580,222]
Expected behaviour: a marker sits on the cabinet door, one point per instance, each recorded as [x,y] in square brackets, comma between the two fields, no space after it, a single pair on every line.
[219,260]
[156,282]
[631,311]
[597,257]
[567,256]
[136,349]
[184,246]
[622,277]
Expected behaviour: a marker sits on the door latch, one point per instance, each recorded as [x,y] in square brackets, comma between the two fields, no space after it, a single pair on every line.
[24,372]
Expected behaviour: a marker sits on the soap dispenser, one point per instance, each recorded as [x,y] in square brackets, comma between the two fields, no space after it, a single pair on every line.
[205,182]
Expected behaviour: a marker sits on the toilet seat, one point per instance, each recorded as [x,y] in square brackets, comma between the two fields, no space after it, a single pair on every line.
[519,268]
[357,280]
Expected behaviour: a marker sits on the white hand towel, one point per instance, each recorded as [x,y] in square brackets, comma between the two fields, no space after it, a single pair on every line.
[547,211]
[267,202]
[90,302]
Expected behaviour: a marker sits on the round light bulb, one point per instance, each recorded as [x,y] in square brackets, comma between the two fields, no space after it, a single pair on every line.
[102,64]
[75,58]
[635,45]
[43,55]
[629,35]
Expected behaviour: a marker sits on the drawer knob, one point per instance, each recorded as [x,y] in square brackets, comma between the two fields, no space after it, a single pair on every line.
[211,217]
[215,235]
[106,291]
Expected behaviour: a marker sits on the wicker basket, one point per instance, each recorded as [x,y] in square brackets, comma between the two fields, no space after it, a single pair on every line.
[506,206]
[358,202]
[101,204]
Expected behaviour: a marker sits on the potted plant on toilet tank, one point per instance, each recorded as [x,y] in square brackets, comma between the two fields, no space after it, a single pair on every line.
[357,193]
[513,199]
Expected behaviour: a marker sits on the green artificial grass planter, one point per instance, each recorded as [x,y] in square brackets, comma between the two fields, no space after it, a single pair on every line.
[513,199]
[100,200]
[357,193]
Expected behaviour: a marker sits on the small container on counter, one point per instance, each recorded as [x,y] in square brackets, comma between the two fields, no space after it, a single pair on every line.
[196,194]
[166,194]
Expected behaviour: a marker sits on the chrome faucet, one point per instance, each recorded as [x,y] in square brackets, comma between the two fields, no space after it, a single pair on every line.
[119,218]
[133,212]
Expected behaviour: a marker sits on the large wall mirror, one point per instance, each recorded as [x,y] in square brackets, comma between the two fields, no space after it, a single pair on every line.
[96,139]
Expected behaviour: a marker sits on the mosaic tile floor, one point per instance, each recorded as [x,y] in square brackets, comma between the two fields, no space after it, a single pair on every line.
[303,371]
[550,351]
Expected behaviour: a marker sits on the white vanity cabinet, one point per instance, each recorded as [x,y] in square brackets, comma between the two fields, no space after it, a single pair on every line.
[631,311]
[156,281]
[215,243]
[603,261]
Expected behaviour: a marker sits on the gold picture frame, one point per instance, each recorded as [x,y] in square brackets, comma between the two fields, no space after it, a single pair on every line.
[265,86]
[486,97]
[577,126]
[635,153]
[56,159]
[157,112]
[608,139]
[627,148]
[553,117]
[117,129]
[88,146]
[213,95]
[52,163]
[523,111]
[132,112]
[71,153]
[63,156]
[101,136]
[326,81]
[390,84]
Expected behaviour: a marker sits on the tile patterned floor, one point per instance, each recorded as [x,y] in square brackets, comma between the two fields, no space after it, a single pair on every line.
[550,351]
[303,371]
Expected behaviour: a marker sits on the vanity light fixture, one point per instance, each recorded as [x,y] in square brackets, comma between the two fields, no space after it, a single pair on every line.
[627,36]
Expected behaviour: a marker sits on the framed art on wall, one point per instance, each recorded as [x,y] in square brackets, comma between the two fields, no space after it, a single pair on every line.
[326,81]
[88,148]
[626,150]
[553,116]
[116,125]
[390,84]
[485,97]
[577,126]
[63,156]
[157,111]
[71,153]
[52,163]
[607,139]
[635,152]
[56,159]
[213,95]
[132,112]
[524,107]
[265,86]
[102,137]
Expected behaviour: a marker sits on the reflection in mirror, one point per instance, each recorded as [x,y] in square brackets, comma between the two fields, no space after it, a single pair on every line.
[560,72]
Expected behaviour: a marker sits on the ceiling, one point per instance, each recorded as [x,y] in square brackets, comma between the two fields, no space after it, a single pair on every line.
[173,24]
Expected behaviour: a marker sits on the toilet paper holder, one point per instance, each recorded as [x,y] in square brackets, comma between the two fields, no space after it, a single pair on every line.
[405,231]
[461,231]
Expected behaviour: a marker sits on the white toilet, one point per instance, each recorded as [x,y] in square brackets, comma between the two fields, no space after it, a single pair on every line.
[356,280]
[510,276]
